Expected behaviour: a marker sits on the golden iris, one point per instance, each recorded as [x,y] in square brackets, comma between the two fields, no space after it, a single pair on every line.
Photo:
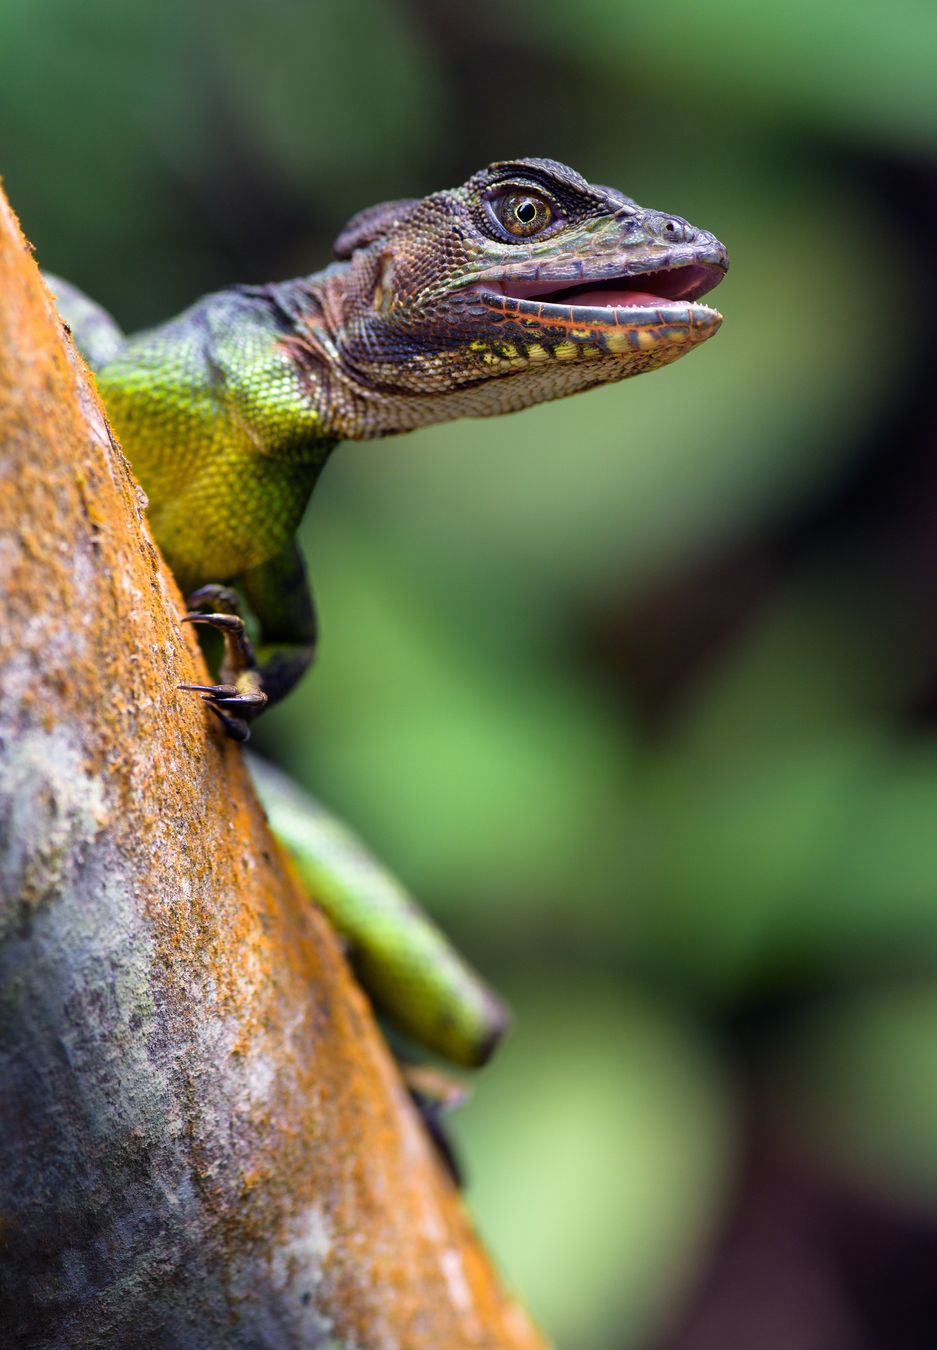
[522,213]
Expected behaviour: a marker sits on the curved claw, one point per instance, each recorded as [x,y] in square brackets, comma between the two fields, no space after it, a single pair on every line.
[251,700]
[228,623]
[228,695]
[215,690]
[222,597]
[222,699]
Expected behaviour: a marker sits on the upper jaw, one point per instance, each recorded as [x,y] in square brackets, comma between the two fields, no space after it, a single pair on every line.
[660,279]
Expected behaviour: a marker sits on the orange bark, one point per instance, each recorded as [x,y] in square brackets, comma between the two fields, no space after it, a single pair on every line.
[203,1140]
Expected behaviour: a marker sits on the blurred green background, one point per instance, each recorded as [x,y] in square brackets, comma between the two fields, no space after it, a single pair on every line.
[638,691]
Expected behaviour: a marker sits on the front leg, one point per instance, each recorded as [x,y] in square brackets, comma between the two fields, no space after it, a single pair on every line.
[239,697]
[251,680]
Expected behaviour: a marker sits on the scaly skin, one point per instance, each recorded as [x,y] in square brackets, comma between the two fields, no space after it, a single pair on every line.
[436,311]
[525,284]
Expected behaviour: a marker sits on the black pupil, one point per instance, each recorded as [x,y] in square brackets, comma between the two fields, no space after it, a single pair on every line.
[525,211]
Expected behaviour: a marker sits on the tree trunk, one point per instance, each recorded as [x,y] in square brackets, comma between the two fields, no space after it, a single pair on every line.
[203,1139]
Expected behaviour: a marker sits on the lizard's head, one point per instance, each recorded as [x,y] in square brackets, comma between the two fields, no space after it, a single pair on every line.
[525,284]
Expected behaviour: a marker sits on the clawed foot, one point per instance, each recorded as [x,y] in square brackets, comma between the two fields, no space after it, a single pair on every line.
[240,698]
[220,697]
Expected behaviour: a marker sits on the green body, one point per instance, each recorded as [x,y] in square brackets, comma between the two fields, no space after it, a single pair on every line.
[225,445]
[525,284]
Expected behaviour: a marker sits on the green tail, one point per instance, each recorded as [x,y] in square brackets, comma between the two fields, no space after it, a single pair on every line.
[402,959]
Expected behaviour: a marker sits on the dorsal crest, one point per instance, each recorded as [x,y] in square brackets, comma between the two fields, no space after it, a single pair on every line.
[370,224]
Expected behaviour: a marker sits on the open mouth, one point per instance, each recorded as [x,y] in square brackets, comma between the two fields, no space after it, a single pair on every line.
[683,284]
[673,283]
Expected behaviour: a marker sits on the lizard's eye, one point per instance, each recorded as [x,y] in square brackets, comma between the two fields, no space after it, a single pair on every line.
[522,213]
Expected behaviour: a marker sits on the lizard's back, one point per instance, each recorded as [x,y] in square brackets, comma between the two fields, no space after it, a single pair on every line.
[221,436]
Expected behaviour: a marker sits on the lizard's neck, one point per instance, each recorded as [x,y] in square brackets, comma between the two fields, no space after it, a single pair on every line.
[310,310]
[358,371]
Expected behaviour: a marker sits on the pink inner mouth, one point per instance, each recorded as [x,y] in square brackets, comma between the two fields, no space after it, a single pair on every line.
[611,299]
[673,283]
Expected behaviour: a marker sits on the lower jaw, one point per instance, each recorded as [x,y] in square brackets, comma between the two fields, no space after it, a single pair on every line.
[673,315]
[609,351]
[621,330]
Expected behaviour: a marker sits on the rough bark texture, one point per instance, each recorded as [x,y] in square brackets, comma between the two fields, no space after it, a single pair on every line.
[203,1141]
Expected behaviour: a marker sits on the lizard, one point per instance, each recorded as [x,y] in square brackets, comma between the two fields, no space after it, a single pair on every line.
[524,284]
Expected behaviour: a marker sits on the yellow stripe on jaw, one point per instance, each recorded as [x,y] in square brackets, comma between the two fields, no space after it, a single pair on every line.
[618,341]
[566,351]
[613,340]
[500,354]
